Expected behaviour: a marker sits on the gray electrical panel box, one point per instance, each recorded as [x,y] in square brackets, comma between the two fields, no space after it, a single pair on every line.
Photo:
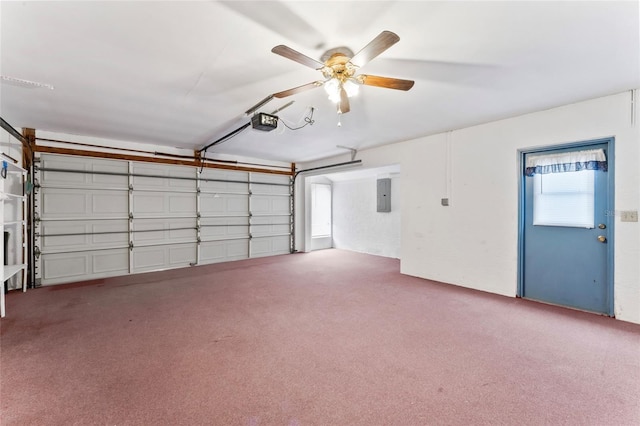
[384,195]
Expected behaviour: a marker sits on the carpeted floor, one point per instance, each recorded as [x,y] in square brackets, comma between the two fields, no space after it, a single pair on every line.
[326,338]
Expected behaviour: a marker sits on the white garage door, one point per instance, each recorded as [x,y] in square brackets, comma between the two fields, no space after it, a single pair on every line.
[98,218]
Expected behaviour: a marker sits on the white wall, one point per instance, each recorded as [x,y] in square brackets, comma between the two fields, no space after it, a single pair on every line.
[474,242]
[357,226]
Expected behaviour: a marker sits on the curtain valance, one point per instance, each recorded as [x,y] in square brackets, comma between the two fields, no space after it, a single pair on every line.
[573,161]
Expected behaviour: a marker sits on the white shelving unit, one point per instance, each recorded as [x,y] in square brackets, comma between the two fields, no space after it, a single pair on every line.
[14,214]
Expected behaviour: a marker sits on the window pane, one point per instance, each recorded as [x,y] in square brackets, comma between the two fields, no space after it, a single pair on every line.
[564,199]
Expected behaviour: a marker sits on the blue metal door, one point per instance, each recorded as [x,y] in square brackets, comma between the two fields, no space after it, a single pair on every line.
[568,265]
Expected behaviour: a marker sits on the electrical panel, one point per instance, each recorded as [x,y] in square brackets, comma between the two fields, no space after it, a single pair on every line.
[384,195]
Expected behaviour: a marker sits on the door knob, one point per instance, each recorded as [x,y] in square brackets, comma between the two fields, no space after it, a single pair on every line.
[602,238]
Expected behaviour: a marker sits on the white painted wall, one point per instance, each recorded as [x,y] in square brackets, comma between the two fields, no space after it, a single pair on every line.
[357,226]
[473,242]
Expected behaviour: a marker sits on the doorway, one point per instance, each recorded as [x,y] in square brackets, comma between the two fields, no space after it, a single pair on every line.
[321,216]
[566,232]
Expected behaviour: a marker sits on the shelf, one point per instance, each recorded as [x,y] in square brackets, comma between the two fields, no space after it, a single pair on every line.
[11,270]
[14,222]
[13,195]
[12,168]
[14,208]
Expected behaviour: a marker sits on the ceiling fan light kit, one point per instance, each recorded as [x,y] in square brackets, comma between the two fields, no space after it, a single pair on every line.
[339,69]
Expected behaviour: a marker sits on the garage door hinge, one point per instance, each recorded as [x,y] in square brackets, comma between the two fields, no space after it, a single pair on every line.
[131,245]
[199,240]
[130,216]
[250,192]
[130,187]
[37,252]
[250,236]
[36,217]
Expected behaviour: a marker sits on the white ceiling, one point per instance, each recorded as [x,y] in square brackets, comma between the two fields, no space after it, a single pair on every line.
[182,74]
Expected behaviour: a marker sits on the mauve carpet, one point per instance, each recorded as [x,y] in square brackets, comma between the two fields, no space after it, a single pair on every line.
[325,338]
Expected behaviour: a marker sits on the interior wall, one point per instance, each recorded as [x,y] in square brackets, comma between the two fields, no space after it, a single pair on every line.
[357,226]
[474,241]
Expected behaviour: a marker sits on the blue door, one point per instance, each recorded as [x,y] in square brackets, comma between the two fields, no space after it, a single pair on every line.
[567,234]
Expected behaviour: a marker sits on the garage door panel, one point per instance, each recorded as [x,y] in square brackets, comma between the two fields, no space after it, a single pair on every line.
[217,232]
[67,267]
[164,231]
[270,225]
[224,204]
[156,258]
[240,185]
[264,204]
[110,204]
[61,203]
[89,216]
[269,246]
[163,204]
[107,173]
[58,235]
[224,188]
[223,251]
[56,266]
[263,230]
[174,178]
[283,191]
[110,262]
[220,227]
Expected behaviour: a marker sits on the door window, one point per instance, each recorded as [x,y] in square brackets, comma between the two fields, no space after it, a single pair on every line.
[564,199]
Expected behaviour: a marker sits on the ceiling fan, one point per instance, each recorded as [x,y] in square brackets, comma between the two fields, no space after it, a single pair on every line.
[339,70]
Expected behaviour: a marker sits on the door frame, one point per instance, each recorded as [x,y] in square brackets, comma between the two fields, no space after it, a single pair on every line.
[610,209]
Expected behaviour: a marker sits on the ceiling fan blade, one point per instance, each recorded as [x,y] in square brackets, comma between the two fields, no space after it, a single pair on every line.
[279,18]
[387,82]
[294,55]
[382,42]
[298,89]
[343,106]
[458,73]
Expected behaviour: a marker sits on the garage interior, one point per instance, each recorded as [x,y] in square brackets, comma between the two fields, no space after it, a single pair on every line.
[195,234]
